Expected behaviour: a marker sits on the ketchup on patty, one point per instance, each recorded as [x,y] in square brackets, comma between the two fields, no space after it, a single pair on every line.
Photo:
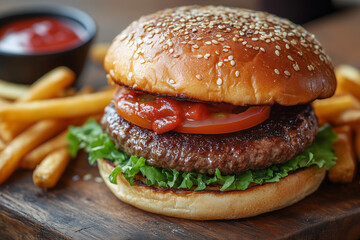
[40,35]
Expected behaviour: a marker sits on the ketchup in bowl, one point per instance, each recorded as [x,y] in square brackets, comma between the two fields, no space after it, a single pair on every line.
[35,40]
[40,35]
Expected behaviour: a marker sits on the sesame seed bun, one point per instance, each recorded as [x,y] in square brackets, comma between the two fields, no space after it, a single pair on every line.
[221,54]
[211,205]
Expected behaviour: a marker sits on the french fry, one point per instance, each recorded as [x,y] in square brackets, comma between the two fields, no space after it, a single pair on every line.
[33,158]
[348,80]
[351,116]
[330,106]
[10,157]
[3,102]
[49,85]
[12,91]
[49,171]
[344,170]
[9,131]
[70,107]
[98,52]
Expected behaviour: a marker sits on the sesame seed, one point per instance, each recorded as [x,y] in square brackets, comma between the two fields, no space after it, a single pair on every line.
[278,47]
[208,43]
[171,81]
[225,50]
[217,53]
[255,39]
[262,49]
[221,39]
[296,67]
[122,37]
[130,75]
[195,46]
[237,73]
[287,73]
[287,46]
[300,53]
[206,56]
[277,71]
[220,64]
[171,50]
[214,41]
[310,67]
[218,35]
[232,62]
[290,58]
[142,61]
[226,46]
[234,39]
[199,56]
[198,76]
[230,57]
[277,52]
[219,81]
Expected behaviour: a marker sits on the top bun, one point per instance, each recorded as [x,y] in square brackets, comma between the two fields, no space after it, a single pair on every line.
[221,54]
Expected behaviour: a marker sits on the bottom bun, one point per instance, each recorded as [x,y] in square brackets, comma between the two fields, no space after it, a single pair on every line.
[211,205]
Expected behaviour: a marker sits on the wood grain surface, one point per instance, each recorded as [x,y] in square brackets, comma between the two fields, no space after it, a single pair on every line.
[79,209]
[88,210]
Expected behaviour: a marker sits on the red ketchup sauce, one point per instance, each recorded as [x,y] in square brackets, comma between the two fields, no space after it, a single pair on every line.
[40,35]
[165,114]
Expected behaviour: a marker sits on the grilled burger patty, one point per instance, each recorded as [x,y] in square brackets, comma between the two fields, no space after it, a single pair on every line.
[287,132]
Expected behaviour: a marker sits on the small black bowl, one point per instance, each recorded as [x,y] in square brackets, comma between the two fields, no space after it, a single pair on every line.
[28,67]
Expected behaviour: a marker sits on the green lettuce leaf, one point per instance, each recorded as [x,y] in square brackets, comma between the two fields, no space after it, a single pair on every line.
[97,144]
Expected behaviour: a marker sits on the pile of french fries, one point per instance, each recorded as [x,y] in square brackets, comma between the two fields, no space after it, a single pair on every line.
[34,121]
[342,111]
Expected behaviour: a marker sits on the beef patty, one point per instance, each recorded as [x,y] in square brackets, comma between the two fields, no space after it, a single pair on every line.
[287,132]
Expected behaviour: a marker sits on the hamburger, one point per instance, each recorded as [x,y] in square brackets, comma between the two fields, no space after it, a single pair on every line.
[212,115]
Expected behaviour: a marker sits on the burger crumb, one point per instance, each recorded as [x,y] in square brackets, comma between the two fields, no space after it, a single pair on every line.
[87,177]
[75,178]
[98,180]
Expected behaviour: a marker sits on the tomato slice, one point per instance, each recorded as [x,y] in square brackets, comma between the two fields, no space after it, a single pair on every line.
[226,123]
[163,114]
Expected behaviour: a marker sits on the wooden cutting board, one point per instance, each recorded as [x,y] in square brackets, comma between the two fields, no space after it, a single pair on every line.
[88,210]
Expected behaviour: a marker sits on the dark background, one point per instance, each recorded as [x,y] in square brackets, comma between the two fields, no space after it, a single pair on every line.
[114,15]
